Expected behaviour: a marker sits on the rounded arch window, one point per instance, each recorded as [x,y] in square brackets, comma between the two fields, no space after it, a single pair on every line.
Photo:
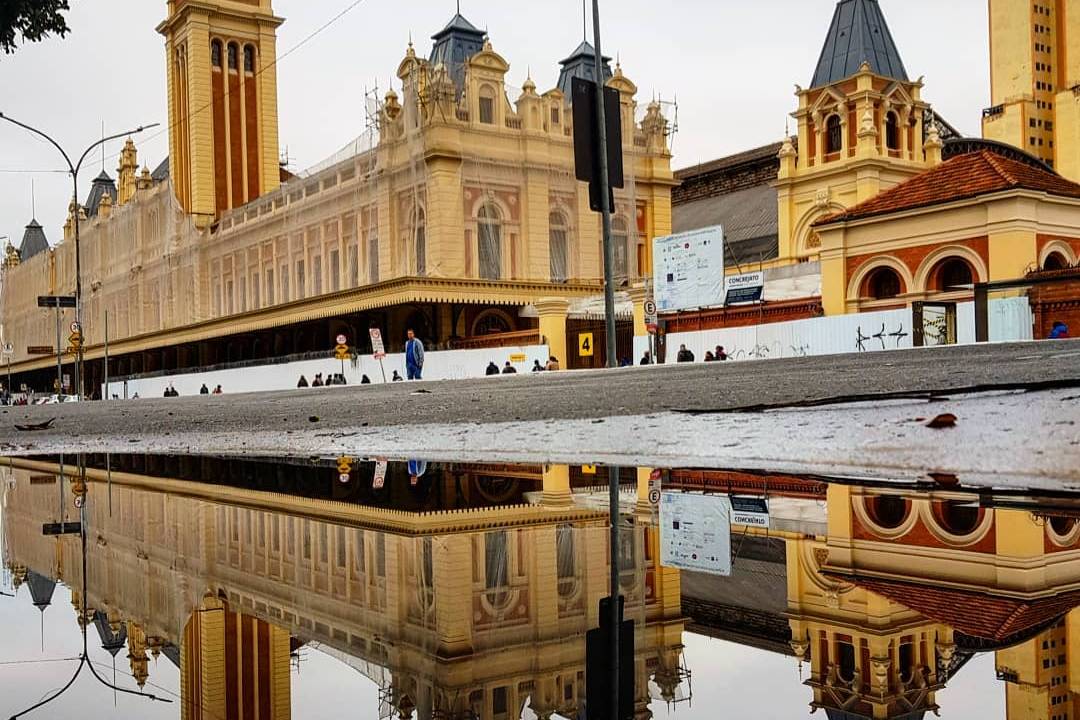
[892,131]
[566,561]
[620,240]
[883,283]
[559,247]
[1055,261]
[234,54]
[951,274]
[249,59]
[958,517]
[1062,526]
[489,236]
[888,511]
[491,322]
[215,54]
[834,135]
[497,569]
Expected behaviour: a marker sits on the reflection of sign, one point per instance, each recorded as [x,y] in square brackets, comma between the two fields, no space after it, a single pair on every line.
[342,340]
[344,464]
[76,328]
[588,469]
[380,475]
[8,350]
[654,487]
[689,269]
[56,301]
[585,345]
[341,352]
[695,532]
[751,511]
[377,347]
[40,350]
[518,357]
[344,478]
[745,288]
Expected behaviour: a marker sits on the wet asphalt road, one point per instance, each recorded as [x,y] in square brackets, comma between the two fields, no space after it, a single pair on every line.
[553,396]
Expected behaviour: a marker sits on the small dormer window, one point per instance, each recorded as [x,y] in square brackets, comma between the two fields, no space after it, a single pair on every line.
[892,132]
[215,54]
[249,59]
[833,135]
[487,110]
[234,52]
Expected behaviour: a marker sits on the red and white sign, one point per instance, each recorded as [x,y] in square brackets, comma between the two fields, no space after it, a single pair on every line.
[380,475]
[377,346]
[342,340]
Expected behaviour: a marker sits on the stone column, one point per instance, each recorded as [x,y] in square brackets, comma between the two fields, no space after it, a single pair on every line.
[556,486]
[637,295]
[553,312]
[643,504]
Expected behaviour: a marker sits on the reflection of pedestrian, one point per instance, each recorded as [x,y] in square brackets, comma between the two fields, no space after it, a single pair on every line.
[492,369]
[684,356]
[204,390]
[1060,331]
[646,359]
[414,356]
[720,354]
[552,364]
[709,357]
[317,381]
[537,367]
[509,369]
[397,377]
[365,380]
[303,383]
[218,390]
[417,468]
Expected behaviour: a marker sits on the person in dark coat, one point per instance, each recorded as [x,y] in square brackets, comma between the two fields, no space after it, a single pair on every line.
[204,390]
[720,353]
[492,369]
[397,377]
[646,359]
[365,380]
[509,369]
[302,383]
[685,356]
[537,367]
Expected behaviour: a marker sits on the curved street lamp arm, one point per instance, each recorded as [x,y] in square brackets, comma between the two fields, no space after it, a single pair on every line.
[138,693]
[58,693]
[34,130]
[104,140]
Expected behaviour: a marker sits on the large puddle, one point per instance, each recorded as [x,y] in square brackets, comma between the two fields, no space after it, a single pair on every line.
[199,587]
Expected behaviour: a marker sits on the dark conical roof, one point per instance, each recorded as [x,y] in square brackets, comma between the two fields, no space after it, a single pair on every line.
[581,63]
[33,241]
[102,184]
[41,589]
[111,642]
[454,45]
[858,34]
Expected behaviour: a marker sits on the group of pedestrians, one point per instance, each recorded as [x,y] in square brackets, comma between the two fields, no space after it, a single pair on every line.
[508,368]
[687,356]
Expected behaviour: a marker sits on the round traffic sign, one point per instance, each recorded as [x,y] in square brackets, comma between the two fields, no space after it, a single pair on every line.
[342,340]
[75,327]
[654,497]
[650,307]
[344,478]
[9,349]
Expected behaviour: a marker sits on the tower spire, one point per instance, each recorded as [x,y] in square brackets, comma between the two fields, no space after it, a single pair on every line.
[858,33]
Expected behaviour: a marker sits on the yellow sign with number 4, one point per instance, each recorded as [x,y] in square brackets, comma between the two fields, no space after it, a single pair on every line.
[585,345]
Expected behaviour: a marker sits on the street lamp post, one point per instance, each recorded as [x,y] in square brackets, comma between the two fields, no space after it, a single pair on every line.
[73,169]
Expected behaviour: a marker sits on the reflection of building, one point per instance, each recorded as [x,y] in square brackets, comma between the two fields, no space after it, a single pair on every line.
[472,614]
[458,210]
[1040,674]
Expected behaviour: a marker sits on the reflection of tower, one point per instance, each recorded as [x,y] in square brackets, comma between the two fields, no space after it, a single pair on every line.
[1042,675]
[223,133]
[233,665]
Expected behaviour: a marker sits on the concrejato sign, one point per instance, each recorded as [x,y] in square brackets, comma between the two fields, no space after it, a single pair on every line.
[750,511]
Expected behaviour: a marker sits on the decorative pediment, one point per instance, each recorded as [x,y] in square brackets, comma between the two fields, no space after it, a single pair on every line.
[488,59]
[897,94]
[622,83]
[828,98]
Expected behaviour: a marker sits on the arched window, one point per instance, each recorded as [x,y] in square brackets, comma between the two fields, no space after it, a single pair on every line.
[566,560]
[487,105]
[887,511]
[491,322]
[892,131]
[1055,261]
[249,59]
[620,240]
[846,660]
[215,54]
[420,239]
[497,568]
[951,274]
[883,283]
[907,661]
[234,53]
[489,237]
[834,139]
[373,254]
[957,517]
[559,247]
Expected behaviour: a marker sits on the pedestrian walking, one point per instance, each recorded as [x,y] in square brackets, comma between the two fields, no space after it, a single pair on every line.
[509,369]
[492,369]
[684,356]
[552,364]
[537,367]
[302,383]
[414,356]
[204,390]
[1060,331]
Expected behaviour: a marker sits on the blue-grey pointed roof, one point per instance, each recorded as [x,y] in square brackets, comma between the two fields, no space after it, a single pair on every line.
[858,34]
[102,184]
[33,241]
[454,45]
[111,642]
[161,172]
[41,589]
[581,63]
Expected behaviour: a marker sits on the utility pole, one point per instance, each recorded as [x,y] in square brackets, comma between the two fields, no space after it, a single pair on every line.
[73,170]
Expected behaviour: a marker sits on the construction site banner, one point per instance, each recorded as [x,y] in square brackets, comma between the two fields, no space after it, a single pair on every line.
[689,270]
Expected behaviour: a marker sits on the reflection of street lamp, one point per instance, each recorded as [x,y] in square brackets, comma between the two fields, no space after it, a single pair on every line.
[74,171]
[84,656]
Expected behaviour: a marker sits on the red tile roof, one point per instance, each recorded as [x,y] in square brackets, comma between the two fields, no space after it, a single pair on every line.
[983,615]
[958,178]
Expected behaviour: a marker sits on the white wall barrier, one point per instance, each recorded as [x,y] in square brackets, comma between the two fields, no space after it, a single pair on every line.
[1010,319]
[438,365]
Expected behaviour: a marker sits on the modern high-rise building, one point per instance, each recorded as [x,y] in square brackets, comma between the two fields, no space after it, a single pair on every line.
[1035,80]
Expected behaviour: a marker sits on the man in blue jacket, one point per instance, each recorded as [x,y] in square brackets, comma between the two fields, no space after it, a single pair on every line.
[414,357]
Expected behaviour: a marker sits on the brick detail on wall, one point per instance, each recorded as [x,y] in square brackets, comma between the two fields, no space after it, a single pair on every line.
[1056,302]
[912,257]
[769,312]
[727,175]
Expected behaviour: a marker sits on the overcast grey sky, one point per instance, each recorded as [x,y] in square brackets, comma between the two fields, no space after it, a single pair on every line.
[732,64]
